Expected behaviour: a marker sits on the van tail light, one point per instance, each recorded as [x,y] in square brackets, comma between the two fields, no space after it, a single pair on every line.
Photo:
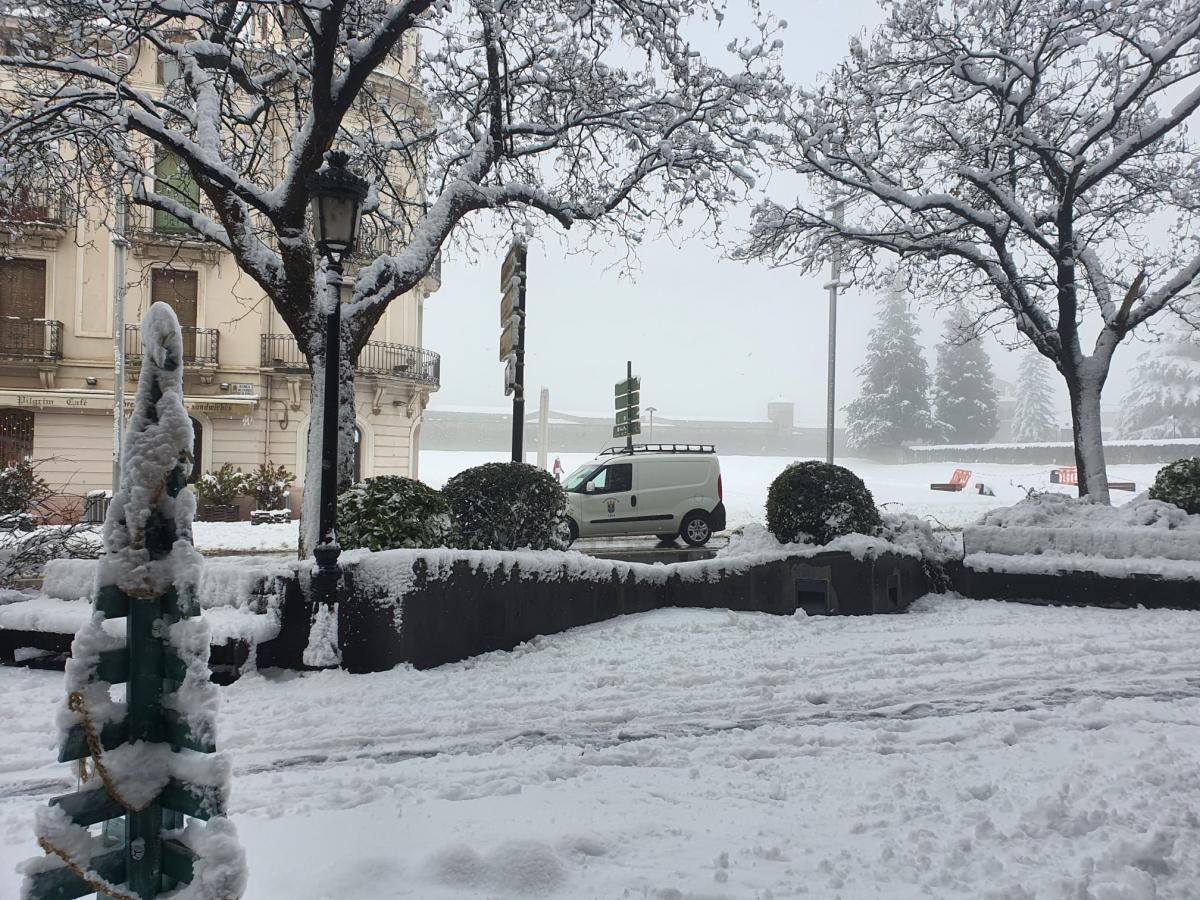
[720,490]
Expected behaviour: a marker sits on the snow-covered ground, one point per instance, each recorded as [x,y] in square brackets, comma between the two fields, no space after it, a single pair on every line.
[898,488]
[968,749]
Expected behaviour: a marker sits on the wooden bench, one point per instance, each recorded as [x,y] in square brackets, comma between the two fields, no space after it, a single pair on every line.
[1070,475]
[957,481]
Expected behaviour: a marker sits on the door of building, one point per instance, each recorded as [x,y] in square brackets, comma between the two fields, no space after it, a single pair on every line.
[16,435]
[22,305]
[177,289]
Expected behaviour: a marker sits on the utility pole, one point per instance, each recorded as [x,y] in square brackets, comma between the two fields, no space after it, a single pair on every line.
[120,246]
[629,378]
[543,428]
[512,338]
[835,274]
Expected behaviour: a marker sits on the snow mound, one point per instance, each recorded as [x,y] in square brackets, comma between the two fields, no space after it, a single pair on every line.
[903,535]
[1062,511]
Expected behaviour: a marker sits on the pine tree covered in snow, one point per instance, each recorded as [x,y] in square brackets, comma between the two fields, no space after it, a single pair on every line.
[964,397]
[893,403]
[1033,416]
[151,750]
[1164,401]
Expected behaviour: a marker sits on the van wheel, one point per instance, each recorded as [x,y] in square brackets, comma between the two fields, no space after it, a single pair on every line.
[695,529]
[572,531]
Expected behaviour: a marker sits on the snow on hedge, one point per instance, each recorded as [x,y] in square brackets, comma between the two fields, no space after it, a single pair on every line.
[1053,531]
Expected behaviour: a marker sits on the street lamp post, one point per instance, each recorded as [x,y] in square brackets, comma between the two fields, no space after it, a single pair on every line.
[651,410]
[337,198]
[838,211]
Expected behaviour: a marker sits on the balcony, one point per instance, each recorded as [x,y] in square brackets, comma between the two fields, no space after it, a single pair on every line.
[201,346]
[374,242]
[30,339]
[282,353]
[35,206]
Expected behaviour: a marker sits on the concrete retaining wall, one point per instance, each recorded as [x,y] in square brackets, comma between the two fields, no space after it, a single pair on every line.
[472,609]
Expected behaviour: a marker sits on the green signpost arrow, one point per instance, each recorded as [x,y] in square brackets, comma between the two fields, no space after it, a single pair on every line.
[625,401]
[627,415]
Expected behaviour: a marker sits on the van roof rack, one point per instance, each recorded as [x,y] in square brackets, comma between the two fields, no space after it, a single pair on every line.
[659,448]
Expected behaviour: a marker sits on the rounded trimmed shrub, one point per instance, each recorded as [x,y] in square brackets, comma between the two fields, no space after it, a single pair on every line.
[1179,483]
[391,511]
[508,506]
[815,502]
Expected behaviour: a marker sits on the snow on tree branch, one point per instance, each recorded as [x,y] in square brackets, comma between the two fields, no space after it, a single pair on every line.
[1025,159]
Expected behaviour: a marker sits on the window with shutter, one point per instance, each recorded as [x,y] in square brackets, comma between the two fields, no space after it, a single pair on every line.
[178,289]
[175,182]
[22,305]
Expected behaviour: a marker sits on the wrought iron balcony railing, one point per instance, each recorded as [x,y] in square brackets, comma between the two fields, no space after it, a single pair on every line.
[282,352]
[32,339]
[373,242]
[28,205]
[201,346]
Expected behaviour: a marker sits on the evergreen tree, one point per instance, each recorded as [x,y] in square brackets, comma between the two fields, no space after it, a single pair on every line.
[1164,401]
[964,398]
[893,403]
[1033,416]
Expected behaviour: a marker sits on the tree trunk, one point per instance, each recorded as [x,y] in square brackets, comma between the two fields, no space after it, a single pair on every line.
[1085,380]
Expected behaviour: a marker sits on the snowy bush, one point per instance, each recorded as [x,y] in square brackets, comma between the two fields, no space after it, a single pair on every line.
[21,490]
[269,485]
[508,506]
[392,511]
[222,487]
[815,502]
[1179,483]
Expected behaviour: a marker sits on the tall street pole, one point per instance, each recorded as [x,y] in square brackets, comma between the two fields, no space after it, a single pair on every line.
[835,274]
[120,246]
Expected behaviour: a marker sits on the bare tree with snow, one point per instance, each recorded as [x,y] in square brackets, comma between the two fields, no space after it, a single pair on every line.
[597,114]
[1027,160]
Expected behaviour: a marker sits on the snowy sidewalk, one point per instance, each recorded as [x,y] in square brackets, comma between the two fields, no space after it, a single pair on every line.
[970,749]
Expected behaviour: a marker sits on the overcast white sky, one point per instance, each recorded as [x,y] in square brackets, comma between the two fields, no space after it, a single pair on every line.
[708,336]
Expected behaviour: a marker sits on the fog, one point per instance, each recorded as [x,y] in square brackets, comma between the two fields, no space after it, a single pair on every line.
[709,336]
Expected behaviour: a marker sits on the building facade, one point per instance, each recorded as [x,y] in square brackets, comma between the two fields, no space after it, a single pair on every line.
[247,385]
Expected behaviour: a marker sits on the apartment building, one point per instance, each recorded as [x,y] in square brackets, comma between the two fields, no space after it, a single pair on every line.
[247,386]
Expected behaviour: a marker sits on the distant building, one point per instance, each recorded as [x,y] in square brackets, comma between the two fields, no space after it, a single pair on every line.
[472,429]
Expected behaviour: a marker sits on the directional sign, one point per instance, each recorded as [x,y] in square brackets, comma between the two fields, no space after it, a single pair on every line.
[515,261]
[627,429]
[627,415]
[628,386]
[508,338]
[509,302]
[625,401]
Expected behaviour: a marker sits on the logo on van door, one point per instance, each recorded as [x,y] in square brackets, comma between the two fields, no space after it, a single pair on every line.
[612,507]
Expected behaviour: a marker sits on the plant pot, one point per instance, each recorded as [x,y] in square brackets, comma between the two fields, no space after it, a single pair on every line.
[223,513]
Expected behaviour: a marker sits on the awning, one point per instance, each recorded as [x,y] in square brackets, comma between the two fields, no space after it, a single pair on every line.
[66,401]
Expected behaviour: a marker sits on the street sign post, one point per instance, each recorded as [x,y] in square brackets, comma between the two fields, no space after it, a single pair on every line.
[627,401]
[513,272]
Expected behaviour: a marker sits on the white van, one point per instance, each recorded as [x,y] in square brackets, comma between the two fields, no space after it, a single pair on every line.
[668,490]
